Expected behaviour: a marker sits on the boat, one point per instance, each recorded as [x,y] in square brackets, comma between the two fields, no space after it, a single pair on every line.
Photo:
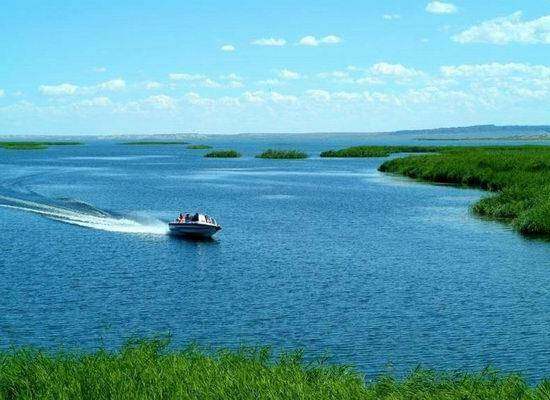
[196,225]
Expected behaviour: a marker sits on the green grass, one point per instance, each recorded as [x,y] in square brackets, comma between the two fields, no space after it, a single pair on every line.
[223,154]
[282,154]
[147,369]
[154,143]
[199,147]
[519,176]
[34,145]
[377,151]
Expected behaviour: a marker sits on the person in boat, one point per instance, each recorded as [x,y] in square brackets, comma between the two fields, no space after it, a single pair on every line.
[181,219]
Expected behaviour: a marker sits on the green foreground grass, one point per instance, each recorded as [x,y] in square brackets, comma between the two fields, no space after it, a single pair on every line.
[223,154]
[198,147]
[146,369]
[34,145]
[520,176]
[282,154]
[155,143]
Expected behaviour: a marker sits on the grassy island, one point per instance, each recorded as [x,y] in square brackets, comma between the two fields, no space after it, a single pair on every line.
[223,154]
[377,151]
[283,154]
[34,145]
[154,143]
[146,369]
[198,147]
[520,176]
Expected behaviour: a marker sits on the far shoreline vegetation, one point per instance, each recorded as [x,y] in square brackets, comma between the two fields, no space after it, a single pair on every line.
[198,147]
[151,369]
[35,145]
[155,143]
[518,175]
[223,154]
[283,154]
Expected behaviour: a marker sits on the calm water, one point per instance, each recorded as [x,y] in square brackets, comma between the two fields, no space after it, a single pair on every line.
[329,255]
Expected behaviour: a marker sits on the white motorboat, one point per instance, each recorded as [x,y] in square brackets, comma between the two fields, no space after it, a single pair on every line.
[197,225]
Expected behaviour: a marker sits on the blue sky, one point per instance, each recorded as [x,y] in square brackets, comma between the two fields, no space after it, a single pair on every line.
[93,67]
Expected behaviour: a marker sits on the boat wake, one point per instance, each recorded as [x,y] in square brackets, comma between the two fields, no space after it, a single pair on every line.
[79,213]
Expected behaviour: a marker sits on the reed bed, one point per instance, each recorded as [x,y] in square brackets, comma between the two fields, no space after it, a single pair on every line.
[520,176]
[377,151]
[148,369]
[283,154]
[223,154]
[35,145]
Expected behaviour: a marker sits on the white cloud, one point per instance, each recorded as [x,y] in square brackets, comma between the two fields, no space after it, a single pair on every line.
[197,100]
[2,93]
[211,83]
[64,89]
[185,77]
[152,85]
[318,95]
[288,74]
[439,7]
[112,85]
[390,17]
[277,42]
[313,41]
[227,48]
[510,29]
[100,69]
[369,80]
[254,97]
[232,77]
[270,82]
[495,70]
[161,102]
[283,98]
[397,70]
[334,74]
[101,101]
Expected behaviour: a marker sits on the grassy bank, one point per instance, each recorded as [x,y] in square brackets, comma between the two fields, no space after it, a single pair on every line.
[223,154]
[198,147]
[147,370]
[154,143]
[519,175]
[282,154]
[34,145]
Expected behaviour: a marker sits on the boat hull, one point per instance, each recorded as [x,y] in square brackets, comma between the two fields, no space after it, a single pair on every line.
[193,230]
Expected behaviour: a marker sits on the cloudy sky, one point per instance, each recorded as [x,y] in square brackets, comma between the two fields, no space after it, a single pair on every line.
[92,67]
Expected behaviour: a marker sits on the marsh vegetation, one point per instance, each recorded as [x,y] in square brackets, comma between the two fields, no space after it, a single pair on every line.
[520,176]
[35,145]
[148,369]
[282,154]
[223,154]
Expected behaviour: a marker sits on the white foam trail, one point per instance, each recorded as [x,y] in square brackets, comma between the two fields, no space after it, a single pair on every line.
[104,223]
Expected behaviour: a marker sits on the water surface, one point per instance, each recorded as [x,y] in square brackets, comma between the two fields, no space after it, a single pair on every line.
[325,254]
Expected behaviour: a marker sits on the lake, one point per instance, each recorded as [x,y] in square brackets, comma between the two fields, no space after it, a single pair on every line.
[328,255]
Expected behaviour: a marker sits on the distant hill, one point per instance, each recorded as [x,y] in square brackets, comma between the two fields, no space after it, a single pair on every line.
[481,130]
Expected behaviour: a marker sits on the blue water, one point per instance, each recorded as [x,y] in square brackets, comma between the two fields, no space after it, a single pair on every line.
[325,254]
